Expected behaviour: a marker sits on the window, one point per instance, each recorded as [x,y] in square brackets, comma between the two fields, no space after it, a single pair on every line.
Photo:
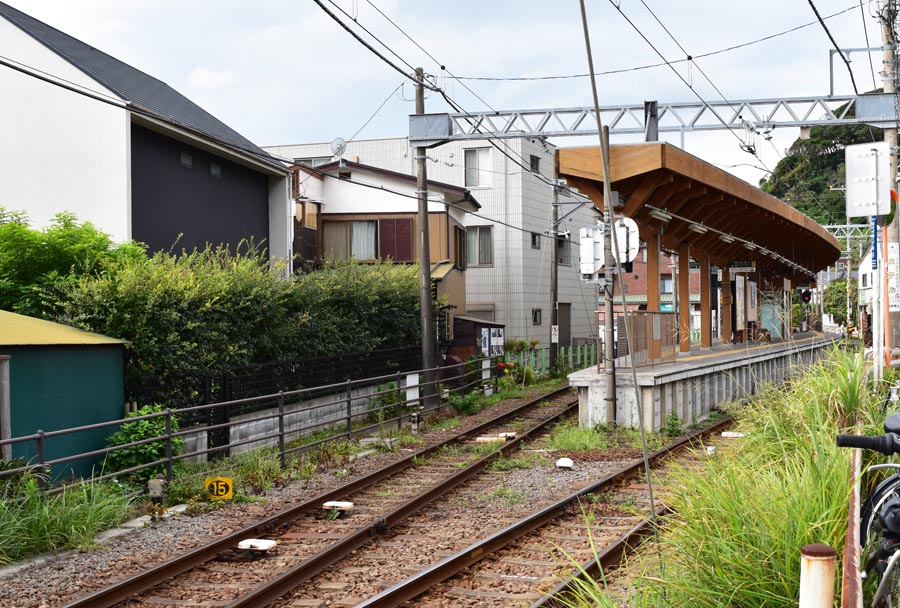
[478,167]
[215,170]
[479,246]
[535,316]
[356,240]
[186,160]
[665,285]
[310,214]
[865,280]
[395,240]
[362,240]
[535,164]
[459,244]
[313,161]
[644,252]
[535,240]
[564,251]
[344,174]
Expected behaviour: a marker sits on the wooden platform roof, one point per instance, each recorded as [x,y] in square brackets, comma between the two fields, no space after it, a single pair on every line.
[657,175]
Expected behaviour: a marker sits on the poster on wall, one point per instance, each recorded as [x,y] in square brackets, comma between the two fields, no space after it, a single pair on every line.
[485,341]
[739,302]
[496,341]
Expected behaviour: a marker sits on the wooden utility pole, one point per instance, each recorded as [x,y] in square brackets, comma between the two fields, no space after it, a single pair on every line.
[425,302]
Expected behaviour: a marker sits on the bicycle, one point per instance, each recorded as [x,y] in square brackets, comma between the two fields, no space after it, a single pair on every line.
[879,525]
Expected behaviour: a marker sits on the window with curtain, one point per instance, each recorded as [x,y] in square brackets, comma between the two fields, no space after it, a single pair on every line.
[478,167]
[363,244]
[479,246]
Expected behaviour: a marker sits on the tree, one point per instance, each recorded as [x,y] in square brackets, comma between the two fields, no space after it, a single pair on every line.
[835,301]
[34,260]
[804,178]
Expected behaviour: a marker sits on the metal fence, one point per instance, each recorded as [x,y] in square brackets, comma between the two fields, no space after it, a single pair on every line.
[343,410]
[574,357]
[197,387]
[654,338]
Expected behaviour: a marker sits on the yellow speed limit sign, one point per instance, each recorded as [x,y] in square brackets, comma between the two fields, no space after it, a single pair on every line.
[220,488]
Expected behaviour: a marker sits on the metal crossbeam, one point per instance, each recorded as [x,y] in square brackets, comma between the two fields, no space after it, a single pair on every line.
[755,114]
[850,232]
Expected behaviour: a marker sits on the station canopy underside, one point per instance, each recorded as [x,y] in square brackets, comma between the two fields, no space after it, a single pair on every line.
[703,207]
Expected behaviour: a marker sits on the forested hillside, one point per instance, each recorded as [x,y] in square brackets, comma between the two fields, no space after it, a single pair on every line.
[804,178]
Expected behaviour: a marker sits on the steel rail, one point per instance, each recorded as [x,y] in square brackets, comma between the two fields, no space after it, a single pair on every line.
[291,578]
[142,581]
[604,562]
[424,580]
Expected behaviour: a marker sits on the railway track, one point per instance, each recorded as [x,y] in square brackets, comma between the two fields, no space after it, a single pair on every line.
[311,538]
[436,529]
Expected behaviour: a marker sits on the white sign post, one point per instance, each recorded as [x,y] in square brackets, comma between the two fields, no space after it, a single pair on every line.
[893,276]
[868,179]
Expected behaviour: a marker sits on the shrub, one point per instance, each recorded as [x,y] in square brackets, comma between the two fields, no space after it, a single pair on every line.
[137,455]
[465,403]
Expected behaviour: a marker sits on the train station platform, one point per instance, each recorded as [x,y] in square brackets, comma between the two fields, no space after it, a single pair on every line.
[695,383]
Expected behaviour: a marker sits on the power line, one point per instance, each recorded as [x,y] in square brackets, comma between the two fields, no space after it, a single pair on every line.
[655,65]
[862,13]
[686,83]
[835,44]
[366,30]
[430,56]
[375,113]
[359,39]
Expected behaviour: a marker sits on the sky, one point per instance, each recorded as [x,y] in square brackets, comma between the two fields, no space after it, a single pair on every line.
[283,72]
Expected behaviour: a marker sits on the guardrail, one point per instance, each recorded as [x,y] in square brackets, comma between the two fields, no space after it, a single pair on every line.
[349,409]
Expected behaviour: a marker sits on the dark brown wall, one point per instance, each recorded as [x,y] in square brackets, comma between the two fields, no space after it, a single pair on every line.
[168,199]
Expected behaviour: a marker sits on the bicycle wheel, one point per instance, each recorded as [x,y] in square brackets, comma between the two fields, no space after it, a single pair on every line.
[868,513]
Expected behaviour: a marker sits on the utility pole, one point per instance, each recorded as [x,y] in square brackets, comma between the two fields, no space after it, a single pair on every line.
[889,74]
[425,303]
[609,262]
[554,264]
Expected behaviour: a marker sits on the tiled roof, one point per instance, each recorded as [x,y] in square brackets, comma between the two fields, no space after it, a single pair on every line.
[129,83]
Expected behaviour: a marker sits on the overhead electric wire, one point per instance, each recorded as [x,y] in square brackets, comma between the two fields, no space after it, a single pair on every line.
[862,13]
[686,83]
[430,56]
[375,51]
[456,106]
[835,44]
[656,65]
[369,32]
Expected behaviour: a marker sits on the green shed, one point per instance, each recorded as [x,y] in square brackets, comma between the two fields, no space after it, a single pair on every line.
[54,377]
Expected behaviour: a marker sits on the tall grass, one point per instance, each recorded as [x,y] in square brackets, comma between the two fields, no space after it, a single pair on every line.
[743,518]
[32,523]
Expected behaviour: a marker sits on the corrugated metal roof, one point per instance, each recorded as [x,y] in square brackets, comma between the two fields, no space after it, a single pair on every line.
[128,82]
[19,330]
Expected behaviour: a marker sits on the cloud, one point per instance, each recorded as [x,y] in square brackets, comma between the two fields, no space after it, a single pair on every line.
[211,78]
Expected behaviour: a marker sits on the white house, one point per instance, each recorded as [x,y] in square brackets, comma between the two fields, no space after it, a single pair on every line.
[87,133]
[507,240]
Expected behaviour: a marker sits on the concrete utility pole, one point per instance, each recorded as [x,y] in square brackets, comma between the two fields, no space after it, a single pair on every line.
[425,303]
[889,75]
[554,263]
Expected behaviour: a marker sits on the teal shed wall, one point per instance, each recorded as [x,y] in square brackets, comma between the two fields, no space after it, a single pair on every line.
[54,388]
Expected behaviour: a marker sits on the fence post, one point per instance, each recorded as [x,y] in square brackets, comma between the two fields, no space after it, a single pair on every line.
[817,563]
[168,445]
[349,408]
[399,403]
[281,429]
[42,482]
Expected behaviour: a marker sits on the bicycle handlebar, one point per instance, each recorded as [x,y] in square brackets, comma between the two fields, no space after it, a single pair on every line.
[887,444]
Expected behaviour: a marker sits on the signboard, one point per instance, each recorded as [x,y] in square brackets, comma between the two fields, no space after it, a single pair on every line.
[554,334]
[219,488]
[893,276]
[591,246]
[868,179]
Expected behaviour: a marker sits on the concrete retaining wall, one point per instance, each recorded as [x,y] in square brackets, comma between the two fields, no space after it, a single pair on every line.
[693,386]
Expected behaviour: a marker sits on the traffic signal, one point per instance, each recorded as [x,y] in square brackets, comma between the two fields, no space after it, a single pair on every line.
[806,296]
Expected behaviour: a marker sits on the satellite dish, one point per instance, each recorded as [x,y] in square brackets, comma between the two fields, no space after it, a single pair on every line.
[338,147]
